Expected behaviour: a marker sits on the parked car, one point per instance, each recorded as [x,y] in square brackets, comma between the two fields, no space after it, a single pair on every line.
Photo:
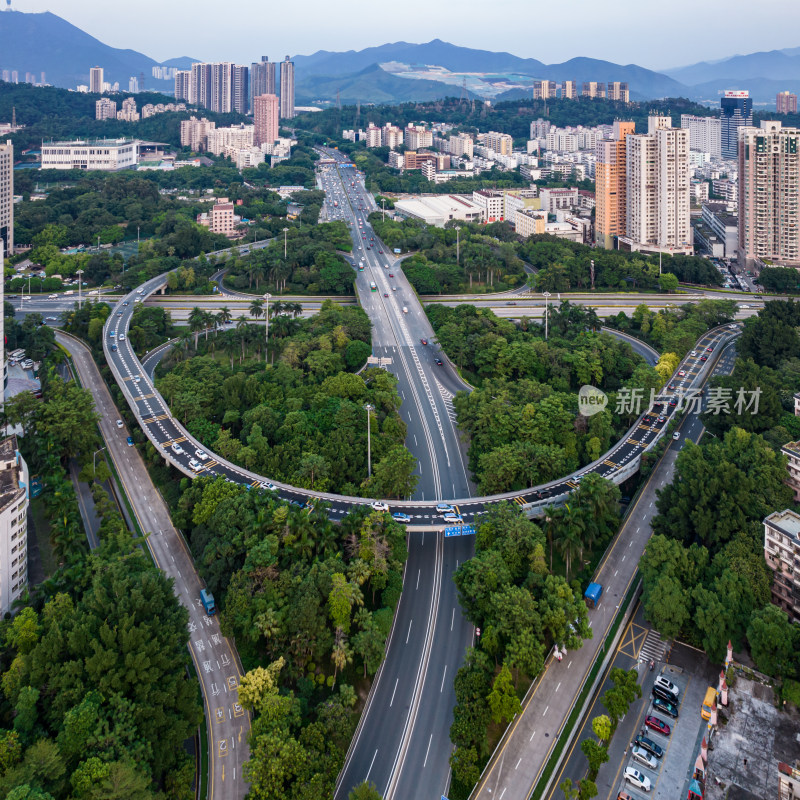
[667,685]
[660,704]
[641,756]
[657,725]
[637,779]
[658,691]
[649,745]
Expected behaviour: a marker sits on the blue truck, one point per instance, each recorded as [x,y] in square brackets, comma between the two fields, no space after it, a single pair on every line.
[208,602]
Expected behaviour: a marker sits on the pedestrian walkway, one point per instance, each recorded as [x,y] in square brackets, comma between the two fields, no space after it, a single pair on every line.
[654,648]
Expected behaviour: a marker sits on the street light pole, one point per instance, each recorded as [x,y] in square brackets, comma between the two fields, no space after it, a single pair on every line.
[284,243]
[383,209]
[458,229]
[546,296]
[79,273]
[94,459]
[266,345]
[369,409]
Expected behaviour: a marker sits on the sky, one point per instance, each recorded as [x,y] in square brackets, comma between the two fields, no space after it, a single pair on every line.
[656,35]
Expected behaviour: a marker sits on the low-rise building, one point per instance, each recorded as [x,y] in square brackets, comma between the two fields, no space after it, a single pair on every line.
[554,199]
[724,225]
[782,554]
[529,221]
[238,136]
[220,219]
[194,133]
[491,201]
[91,154]
[13,524]
[438,210]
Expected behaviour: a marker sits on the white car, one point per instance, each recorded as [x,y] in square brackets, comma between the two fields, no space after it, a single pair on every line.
[52,297]
[643,757]
[195,464]
[667,685]
[455,519]
[177,449]
[637,779]
[201,454]
[121,337]
[694,352]
[676,435]
[444,508]
[119,423]
[270,487]
[379,505]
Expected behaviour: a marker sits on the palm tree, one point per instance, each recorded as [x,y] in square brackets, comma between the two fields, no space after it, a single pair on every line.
[341,655]
[569,535]
[225,315]
[295,309]
[257,308]
[208,322]
[242,328]
[196,322]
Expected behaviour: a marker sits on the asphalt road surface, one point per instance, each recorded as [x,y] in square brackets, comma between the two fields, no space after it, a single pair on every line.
[215,659]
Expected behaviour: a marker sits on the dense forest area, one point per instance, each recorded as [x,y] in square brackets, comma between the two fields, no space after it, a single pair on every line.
[311,265]
[310,604]
[302,420]
[98,697]
[522,418]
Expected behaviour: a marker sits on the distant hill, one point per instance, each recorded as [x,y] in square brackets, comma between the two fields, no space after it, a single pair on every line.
[47,43]
[370,85]
[644,83]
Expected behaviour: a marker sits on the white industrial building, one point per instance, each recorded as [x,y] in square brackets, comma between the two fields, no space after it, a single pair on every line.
[98,154]
[439,209]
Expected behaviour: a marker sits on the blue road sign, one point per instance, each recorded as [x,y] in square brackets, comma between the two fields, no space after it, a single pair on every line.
[459,530]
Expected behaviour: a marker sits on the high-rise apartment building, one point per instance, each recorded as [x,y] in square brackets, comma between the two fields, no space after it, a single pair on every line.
[262,77]
[133,85]
[222,87]
[183,84]
[95,80]
[374,135]
[786,103]
[544,90]
[200,85]
[416,137]
[594,89]
[6,202]
[769,194]
[540,128]
[237,137]
[287,89]
[461,145]
[704,134]
[105,109]
[610,181]
[657,186]
[500,143]
[618,90]
[194,133]
[13,523]
[266,112]
[240,89]
[569,90]
[736,111]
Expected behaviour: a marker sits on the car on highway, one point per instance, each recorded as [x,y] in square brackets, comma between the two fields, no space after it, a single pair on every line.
[130,441]
[394,288]
[453,519]
[121,337]
[26,297]
[120,423]
[704,358]
[637,779]
[125,302]
[649,745]
[51,319]
[444,508]
[379,505]
[112,334]
[52,297]
[119,313]
[113,348]
[662,419]
[400,517]
[511,303]
[672,387]
[709,349]
[391,274]
[424,341]
[667,685]
[682,373]
[673,401]
[668,707]
[195,464]
[386,294]
[676,435]
[439,362]
[270,487]
[640,755]
[694,352]
[177,449]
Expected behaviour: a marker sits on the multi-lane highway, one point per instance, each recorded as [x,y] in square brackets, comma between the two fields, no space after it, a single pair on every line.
[402,743]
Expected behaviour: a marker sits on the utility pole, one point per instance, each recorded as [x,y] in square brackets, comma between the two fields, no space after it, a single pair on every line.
[591,272]
[79,273]
[546,296]
[94,459]
[369,409]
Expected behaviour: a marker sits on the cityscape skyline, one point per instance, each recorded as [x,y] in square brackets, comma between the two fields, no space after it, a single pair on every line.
[594,35]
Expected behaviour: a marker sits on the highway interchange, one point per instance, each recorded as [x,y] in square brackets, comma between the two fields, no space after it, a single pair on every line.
[402,743]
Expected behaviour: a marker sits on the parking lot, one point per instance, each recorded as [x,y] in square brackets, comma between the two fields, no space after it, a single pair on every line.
[668,776]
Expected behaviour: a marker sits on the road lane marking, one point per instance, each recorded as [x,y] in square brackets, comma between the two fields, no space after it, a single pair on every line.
[409,630]
[370,766]
[397,680]
[444,675]
[425,763]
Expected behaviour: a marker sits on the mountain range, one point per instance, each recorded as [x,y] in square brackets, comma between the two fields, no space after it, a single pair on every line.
[396,72]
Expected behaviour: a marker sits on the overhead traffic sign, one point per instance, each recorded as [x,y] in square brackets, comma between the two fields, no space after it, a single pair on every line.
[459,530]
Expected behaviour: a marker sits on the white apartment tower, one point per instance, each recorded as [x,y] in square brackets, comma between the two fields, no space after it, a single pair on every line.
[287,89]
[657,186]
[13,524]
[96,80]
[769,194]
[6,205]
[705,134]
